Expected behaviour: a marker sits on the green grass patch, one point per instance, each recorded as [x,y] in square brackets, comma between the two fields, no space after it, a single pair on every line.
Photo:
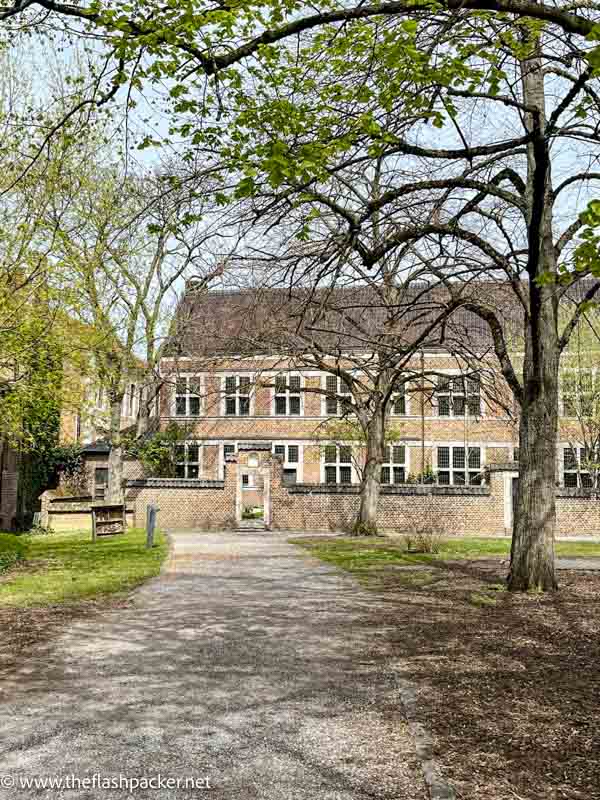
[65,567]
[363,554]
[12,550]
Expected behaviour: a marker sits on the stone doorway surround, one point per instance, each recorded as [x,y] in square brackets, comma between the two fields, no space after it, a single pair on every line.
[255,459]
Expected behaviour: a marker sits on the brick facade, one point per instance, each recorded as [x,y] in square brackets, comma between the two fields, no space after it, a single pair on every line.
[458,511]
[421,429]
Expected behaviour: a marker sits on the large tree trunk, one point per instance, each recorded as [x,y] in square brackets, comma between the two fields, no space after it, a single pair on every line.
[532,551]
[115,458]
[366,521]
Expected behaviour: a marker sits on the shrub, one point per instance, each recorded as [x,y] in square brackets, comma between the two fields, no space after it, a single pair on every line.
[425,530]
[40,530]
[157,452]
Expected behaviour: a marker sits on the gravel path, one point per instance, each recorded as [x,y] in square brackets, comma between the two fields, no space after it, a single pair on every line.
[247,665]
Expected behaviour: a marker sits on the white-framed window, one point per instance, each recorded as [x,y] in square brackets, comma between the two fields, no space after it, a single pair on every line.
[574,468]
[338,463]
[457,396]
[287,396]
[188,459]
[237,395]
[457,466]
[187,396]
[579,392]
[395,465]
[337,390]
[227,449]
[290,455]
[399,403]
[248,480]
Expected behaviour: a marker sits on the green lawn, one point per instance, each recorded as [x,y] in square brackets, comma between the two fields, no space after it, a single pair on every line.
[364,553]
[65,567]
[12,549]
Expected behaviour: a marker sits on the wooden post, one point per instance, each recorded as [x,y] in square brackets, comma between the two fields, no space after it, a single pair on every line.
[94,536]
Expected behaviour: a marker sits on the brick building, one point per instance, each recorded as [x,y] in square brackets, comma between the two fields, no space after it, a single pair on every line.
[264,428]
[448,426]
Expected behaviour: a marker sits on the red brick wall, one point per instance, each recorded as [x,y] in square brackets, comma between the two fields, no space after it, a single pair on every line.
[477,511]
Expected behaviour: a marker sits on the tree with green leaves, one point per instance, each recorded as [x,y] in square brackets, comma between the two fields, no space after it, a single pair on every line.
[130,247]
[510,85]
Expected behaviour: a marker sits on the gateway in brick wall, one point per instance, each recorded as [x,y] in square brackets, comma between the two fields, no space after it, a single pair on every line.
[482,510]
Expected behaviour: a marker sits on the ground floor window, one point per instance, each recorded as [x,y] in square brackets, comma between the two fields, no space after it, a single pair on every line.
[576,472]
[394,465]
[100,482]
[458,466]
[338,464]
[290,456]
[187,460]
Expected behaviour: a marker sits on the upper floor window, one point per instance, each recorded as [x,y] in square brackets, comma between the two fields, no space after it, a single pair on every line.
[337,391]
[394,466]
[290,456]
[187,397]
[457,396]
[288,395]
[579,393]
[237,395]
[578,467]
[398,402]
[187,460]
[457,467]
[338,463]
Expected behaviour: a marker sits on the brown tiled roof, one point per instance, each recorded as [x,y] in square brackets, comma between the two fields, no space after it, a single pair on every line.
[267,320]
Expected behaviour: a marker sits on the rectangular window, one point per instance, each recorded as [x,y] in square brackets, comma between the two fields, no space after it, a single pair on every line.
[100,482]
[289,477]
[338,396]
[457,396]
[457,468]
[399,405]
[394,466]
[228,450]
[398,402]
[187,397]
[187,460]
[579,467]
[237,395]
[290,457]
[287,395]
[338,464]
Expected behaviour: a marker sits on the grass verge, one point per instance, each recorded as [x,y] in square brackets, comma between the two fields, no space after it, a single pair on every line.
[358,554]
[12,550]
[67,567]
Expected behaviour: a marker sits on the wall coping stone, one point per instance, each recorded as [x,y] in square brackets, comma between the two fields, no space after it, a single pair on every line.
[401,489]
[577,492]
[173,483]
